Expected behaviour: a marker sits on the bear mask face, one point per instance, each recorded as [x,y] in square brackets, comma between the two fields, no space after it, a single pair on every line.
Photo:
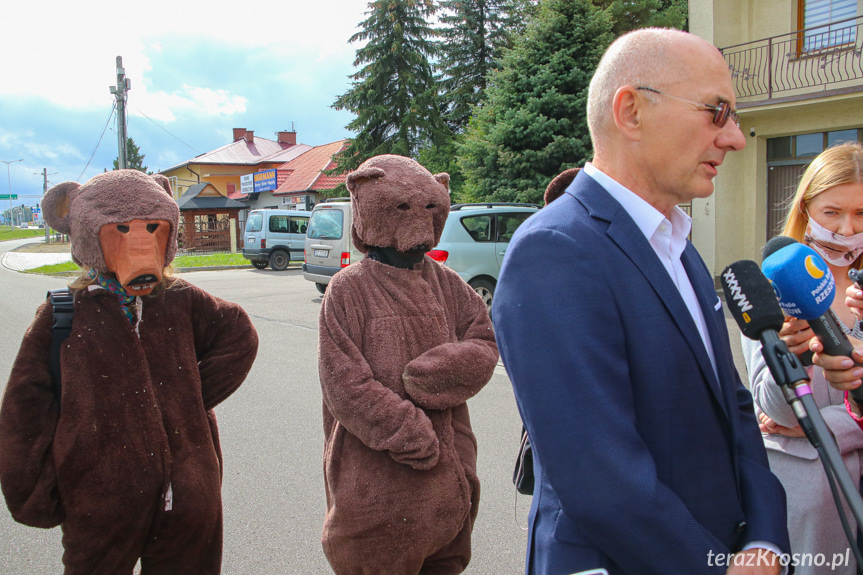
[135,252]
[397,204]
[93,213]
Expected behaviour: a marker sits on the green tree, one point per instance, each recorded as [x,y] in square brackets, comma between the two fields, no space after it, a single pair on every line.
[533,122]
[632,14]
[134,158]
[394,95]
[474,35]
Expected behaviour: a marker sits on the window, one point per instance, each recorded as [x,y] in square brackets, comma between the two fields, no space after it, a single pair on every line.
[507,224]
[822,20]
[326,225]
[479,227]
[255,223]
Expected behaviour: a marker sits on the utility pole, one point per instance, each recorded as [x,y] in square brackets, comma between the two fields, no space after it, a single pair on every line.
[44,193]
[119,91]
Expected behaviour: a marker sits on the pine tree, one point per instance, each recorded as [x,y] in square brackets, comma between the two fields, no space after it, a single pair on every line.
[474,35]
[134,158]
[632,14]
[394,95]
[533,123]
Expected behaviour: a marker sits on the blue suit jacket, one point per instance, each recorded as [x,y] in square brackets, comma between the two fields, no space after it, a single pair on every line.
[645,461]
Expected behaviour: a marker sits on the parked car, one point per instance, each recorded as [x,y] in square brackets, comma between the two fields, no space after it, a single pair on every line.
[275,237]
[328,246]
[474,241]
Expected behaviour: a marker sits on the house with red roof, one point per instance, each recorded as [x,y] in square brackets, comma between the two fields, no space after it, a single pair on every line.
[224,167]
[300,181]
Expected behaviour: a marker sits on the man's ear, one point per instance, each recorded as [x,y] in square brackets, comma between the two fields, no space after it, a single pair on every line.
[55,206]
[626,109]
[356,178]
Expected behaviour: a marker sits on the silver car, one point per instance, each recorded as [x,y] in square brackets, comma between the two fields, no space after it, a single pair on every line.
[474,241]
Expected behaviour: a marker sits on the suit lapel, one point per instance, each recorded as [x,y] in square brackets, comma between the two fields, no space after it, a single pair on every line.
[629,238]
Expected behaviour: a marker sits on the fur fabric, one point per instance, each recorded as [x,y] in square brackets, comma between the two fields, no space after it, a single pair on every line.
[129,460]
[109,198]
[401,350]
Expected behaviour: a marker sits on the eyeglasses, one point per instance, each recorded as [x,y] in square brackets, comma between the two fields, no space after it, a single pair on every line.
[721,113]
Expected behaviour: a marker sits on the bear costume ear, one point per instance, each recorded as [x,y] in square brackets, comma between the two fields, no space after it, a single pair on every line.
[356,178]
[164,183]
[443,178]
[559,184]
[55,206]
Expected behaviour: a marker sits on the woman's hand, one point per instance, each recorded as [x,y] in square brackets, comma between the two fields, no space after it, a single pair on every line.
[767,425]
[796,334]
[841,372]
[854,300]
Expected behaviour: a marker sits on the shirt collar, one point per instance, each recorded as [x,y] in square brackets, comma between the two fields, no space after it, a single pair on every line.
[646,217]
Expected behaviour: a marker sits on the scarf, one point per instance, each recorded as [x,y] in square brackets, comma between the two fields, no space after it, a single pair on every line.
[117,289]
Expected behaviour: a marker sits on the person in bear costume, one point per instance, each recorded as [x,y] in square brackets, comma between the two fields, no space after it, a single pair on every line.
[404,343]
[127,458]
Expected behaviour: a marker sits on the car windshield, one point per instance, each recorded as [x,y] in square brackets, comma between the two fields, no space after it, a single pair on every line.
[326,225]
[256,220]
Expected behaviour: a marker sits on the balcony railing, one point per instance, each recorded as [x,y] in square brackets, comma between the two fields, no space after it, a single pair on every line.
[799,64]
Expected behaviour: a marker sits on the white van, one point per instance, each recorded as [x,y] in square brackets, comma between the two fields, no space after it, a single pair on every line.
[328,242]
[275,237]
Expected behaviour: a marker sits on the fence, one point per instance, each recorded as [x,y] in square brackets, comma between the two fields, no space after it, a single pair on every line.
[822,58]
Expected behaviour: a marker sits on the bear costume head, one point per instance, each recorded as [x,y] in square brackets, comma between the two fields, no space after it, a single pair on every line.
[123,222]
[559,184]
[396,203]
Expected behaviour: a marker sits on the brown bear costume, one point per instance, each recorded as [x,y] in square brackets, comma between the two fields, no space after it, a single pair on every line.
[404,342]
[128,459]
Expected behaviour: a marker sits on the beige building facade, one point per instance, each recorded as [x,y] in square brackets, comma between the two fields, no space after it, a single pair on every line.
[797,67]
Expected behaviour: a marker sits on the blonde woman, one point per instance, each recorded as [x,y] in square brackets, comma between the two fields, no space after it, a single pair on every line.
[826,213]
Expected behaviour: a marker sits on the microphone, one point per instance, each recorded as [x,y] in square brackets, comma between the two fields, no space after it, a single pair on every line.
[806,288]
[752,303]
[751,299]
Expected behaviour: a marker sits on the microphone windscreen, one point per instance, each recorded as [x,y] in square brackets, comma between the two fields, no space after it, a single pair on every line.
[776,244]
[750,299]
[803,282]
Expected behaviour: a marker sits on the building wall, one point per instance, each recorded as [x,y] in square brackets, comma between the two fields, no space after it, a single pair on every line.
[732,224]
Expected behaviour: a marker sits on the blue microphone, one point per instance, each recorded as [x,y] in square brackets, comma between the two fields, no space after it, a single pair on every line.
[806,289]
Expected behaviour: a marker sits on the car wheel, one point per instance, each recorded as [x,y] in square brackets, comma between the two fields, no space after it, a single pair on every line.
[321,287]
[259,264]
[279,260]
[485,289]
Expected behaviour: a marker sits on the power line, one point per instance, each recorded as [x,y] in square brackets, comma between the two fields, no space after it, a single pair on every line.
[111,115]
[166,131]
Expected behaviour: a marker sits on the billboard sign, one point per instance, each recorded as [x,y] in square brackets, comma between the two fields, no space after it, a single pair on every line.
[247,184]
[265,181]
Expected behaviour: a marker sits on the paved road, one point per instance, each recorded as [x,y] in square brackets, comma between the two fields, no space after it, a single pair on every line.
[272,439]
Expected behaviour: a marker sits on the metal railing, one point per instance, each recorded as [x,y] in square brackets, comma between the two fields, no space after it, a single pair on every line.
[799,64]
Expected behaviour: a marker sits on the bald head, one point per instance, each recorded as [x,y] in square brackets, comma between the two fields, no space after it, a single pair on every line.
[655,57]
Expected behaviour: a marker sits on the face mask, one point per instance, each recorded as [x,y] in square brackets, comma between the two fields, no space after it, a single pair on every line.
[836,249]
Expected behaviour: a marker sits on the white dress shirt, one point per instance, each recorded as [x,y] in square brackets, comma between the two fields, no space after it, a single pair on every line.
[668,240]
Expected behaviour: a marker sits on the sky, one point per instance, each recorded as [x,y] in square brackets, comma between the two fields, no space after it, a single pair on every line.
[197,70]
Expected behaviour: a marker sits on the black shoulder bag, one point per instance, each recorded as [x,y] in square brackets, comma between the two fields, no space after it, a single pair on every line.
[63,308]
[522,476]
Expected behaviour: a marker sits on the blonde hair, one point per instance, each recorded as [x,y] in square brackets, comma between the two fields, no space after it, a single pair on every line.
[837,165]
[840,164]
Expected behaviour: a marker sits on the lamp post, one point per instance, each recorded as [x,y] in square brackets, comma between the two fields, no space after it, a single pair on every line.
[9,183]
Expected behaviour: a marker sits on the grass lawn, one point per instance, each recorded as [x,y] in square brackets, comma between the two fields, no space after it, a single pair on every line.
[7,233]
[179,262]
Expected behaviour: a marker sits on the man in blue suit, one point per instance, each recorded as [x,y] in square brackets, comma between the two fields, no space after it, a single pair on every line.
[647,454]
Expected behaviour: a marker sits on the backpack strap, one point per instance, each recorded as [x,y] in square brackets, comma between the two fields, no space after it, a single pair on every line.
[63,307]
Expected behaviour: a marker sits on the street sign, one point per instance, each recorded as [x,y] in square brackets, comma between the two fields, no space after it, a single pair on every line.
[6,196]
